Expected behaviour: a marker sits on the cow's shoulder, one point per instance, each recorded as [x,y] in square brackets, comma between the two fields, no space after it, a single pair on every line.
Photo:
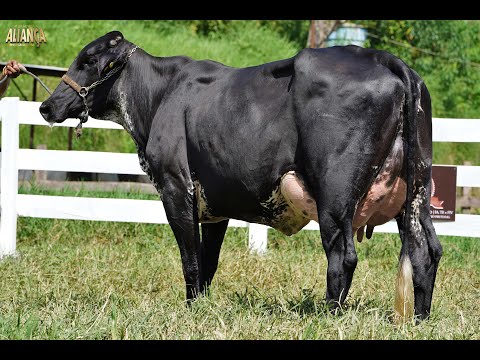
[204,67]
[199,73]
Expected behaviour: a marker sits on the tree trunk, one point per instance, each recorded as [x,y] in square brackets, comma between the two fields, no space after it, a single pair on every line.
[320,30]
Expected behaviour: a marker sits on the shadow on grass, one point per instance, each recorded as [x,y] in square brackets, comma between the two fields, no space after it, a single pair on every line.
[306,302]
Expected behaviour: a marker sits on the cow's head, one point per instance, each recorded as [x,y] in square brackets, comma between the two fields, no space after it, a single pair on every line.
[94,62]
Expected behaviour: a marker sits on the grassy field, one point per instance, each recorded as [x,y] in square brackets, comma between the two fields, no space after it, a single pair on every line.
[99,280]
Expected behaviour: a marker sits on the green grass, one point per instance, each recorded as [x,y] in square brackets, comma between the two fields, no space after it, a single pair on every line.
[99,280]
[69,191]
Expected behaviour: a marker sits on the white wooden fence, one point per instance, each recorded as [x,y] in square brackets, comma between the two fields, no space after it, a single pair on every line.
[14,112]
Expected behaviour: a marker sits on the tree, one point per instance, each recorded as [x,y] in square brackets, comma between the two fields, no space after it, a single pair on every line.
[320,30]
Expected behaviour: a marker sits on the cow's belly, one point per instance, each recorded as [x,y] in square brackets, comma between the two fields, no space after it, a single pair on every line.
[288,208]
[292,206]
[203,208]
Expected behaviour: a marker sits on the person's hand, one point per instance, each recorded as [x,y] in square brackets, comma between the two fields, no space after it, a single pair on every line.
[12,69]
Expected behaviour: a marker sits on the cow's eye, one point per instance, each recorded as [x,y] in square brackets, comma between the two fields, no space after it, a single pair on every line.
[109,66]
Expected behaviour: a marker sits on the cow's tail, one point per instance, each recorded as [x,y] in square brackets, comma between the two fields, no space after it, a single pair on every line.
[404,297]
[404,290]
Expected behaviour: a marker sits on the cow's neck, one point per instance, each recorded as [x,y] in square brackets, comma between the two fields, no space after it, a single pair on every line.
[139,91]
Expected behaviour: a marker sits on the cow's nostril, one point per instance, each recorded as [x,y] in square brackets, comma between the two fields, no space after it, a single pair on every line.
[45,110]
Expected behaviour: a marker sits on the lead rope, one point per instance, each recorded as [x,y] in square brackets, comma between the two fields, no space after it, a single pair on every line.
[78,128]
[24,70]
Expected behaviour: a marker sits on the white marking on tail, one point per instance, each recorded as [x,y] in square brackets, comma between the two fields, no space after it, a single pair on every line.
[404,291]
[415,217]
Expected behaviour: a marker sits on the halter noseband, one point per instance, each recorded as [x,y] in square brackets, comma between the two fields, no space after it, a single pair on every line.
[84,90]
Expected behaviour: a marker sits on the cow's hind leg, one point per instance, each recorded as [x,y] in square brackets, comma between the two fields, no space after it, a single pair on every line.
[419,259]
[212,239]
[424,276]
[336,232]
[421,249]
[337,240]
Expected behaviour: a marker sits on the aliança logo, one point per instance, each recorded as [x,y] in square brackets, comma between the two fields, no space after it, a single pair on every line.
[25,36]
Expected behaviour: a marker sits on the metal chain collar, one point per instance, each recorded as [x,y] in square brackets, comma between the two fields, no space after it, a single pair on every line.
[84,90]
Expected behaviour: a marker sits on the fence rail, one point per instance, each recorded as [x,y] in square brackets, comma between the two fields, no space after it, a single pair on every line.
[14,112]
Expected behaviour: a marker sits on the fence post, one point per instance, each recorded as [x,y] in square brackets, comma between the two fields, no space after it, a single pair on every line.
[257,238]
[9,177]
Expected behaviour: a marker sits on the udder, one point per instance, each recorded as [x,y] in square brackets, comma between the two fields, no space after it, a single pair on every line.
[385,197]
[295,193]
[383,202]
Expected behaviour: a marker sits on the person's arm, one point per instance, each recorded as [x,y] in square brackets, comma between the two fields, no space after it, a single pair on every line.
[11,70]
[4,83]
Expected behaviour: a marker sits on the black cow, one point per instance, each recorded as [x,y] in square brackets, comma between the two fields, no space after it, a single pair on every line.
[339,135]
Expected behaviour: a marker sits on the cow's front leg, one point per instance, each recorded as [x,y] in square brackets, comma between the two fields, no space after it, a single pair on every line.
[181,209]
[167,158]
[212,239]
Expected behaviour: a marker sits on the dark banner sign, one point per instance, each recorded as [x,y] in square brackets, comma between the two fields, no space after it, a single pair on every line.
[443,197]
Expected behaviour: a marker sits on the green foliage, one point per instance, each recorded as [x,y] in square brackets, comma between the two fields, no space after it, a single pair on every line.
[295,31]
[213,28]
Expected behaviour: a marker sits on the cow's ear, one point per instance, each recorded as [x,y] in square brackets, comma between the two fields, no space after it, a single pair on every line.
[114,42]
